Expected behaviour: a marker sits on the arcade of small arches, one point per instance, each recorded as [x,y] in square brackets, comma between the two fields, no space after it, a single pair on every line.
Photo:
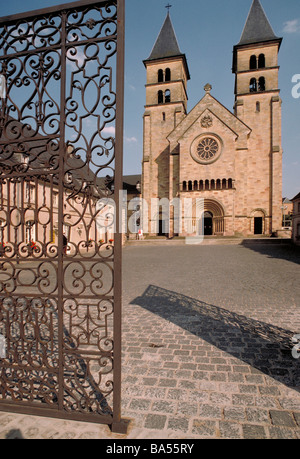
[257,62]
[257,85]
[203,185]
[163,75]
[164,97]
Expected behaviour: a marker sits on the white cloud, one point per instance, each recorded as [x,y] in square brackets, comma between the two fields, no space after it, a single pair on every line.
[109,130]
[292,26]
[130,139]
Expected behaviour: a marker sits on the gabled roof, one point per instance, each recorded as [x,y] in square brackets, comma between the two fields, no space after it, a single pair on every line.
[257,28]
[166,44]
[208,104]
[296,197]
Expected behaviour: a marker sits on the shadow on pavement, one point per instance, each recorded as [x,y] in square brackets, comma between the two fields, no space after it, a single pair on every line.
[285,251]
[263,346]
[14,434]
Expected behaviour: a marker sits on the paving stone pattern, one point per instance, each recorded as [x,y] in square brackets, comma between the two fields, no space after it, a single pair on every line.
[206,346]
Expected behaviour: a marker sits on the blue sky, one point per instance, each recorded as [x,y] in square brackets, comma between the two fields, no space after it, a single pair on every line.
[206,32]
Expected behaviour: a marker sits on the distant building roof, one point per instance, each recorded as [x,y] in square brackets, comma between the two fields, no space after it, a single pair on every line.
[257,28]
[296,197]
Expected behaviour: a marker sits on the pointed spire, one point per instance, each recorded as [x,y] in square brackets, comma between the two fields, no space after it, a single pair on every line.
[257,28]
[166,44]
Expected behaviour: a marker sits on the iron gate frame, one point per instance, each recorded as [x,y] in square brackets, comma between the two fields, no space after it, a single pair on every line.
[114,420]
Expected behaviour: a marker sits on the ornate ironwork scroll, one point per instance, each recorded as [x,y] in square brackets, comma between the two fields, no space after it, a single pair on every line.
[61,128]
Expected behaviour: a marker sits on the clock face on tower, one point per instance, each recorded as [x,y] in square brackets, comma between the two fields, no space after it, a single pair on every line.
[206,149]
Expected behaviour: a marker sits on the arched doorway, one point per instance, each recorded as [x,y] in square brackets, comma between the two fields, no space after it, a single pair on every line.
[212,220]
[258,222]
[208,224]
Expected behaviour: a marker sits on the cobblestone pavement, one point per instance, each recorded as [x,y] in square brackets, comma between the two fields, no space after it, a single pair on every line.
[206,346]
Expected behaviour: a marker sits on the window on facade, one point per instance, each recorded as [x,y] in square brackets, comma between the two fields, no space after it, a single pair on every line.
[261,61]
[298,207]
[184,186]
[253,63]
[168,75]
[201,185]
[167,96]
[195,185]
[230,184]
[190,185]
[261,84]
[160,97]
[253,85]
[258,106]
[160,76]
[298,230]
[164,116]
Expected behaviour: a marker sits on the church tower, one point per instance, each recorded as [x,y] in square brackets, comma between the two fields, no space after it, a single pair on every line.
[258,105]
[166,106]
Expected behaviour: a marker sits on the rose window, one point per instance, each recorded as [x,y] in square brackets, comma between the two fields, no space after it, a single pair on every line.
[207,149]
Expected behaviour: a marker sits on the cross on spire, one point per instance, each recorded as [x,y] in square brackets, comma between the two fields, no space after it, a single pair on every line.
[168,7]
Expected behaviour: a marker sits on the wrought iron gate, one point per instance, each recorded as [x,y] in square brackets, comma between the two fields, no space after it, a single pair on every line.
[61,131]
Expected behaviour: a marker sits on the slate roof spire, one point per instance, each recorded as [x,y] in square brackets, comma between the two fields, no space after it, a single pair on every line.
[166,44]
[257,28]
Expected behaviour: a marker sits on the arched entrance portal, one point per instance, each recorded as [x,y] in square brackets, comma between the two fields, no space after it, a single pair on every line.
[213,218]
[208,224]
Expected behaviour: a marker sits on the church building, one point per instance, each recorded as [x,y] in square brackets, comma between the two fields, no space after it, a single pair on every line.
[232,160]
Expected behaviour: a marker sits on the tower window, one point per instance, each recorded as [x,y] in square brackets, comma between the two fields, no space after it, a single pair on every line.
[160,97]
[168,75]
[167,96]
[261,61]
[253,85]
[261,84]
[253,63]
[160,76]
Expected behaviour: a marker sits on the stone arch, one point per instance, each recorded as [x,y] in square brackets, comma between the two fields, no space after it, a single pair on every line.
[217,211]
[258,221]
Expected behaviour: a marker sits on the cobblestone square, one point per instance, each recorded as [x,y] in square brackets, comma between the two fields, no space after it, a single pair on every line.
[206,346]
[207,332]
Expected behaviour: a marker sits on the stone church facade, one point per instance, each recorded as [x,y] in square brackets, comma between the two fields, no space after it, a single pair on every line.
[233,161]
